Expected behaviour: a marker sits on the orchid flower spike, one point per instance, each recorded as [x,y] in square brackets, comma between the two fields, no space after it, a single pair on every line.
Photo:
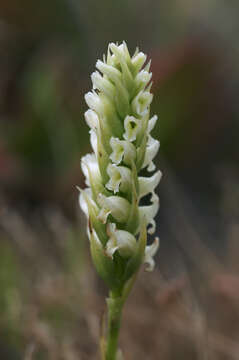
[120,126]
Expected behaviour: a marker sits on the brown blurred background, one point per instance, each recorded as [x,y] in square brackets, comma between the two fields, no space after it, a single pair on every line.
[50,296]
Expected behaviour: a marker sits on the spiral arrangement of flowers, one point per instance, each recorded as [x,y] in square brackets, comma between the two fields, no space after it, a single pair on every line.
[120,126]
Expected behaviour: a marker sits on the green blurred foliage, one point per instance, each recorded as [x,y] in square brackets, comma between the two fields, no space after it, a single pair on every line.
[12,295]
[48,50]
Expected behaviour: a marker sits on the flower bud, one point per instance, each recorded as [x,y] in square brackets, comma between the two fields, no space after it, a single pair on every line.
[138,60]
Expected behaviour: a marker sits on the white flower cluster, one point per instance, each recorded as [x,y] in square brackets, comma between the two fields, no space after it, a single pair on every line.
[120,126]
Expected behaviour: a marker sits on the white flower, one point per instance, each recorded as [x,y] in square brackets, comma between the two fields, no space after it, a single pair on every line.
[120,127]
[120,240]
[93,101]
[121,50]
[123,150]
[119,178]
[112,73]
[92,119]
[90,168]
[101,83]
[138,60]
[152,123]
[122,54]
[142,79]
[141,102]
[84,199]
[132,127]
[117,206]
[150,251]
[93,140]
[152,148]
[148,212]
[148,184]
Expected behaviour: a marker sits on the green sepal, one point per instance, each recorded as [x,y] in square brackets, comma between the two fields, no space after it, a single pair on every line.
[126,74]
[119,267]
[94,222]
[102,158]
[110,124]
[142,143]
[103,264]
[96,186]
[111,270]
[137,259]
[122,101]
[133,220]
[143,131]
[141,152]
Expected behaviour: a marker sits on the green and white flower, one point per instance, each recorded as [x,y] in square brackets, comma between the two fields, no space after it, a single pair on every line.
[120,126]
[120,136]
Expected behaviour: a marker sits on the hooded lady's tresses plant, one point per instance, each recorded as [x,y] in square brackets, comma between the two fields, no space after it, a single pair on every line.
[120,126]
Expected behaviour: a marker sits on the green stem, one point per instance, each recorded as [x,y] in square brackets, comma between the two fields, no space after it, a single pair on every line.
[114,305]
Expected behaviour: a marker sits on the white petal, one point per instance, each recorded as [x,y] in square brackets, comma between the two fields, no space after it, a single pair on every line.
[132,127]
[142,78]
[93,140]
[150,251]
[114,178]
[149,212]
[152,123]
[118,150]
[126,51]
[126,243]
[123,57]
[103,215]
[120,178]
[123,150]
[151,166]
[152,228]
[138,60]
[93,101]
[111,247]
[147,67]
[92,119]
[83,205]
[148,184]
[84,194]
[102,84]
[117,206]
[122,49]
[121,96]
[111,59]
[151,151]
[90,167]
[113,73]
[141,102]
[120,240]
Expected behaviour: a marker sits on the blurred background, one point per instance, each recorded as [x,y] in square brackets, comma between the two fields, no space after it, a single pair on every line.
[50,296]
